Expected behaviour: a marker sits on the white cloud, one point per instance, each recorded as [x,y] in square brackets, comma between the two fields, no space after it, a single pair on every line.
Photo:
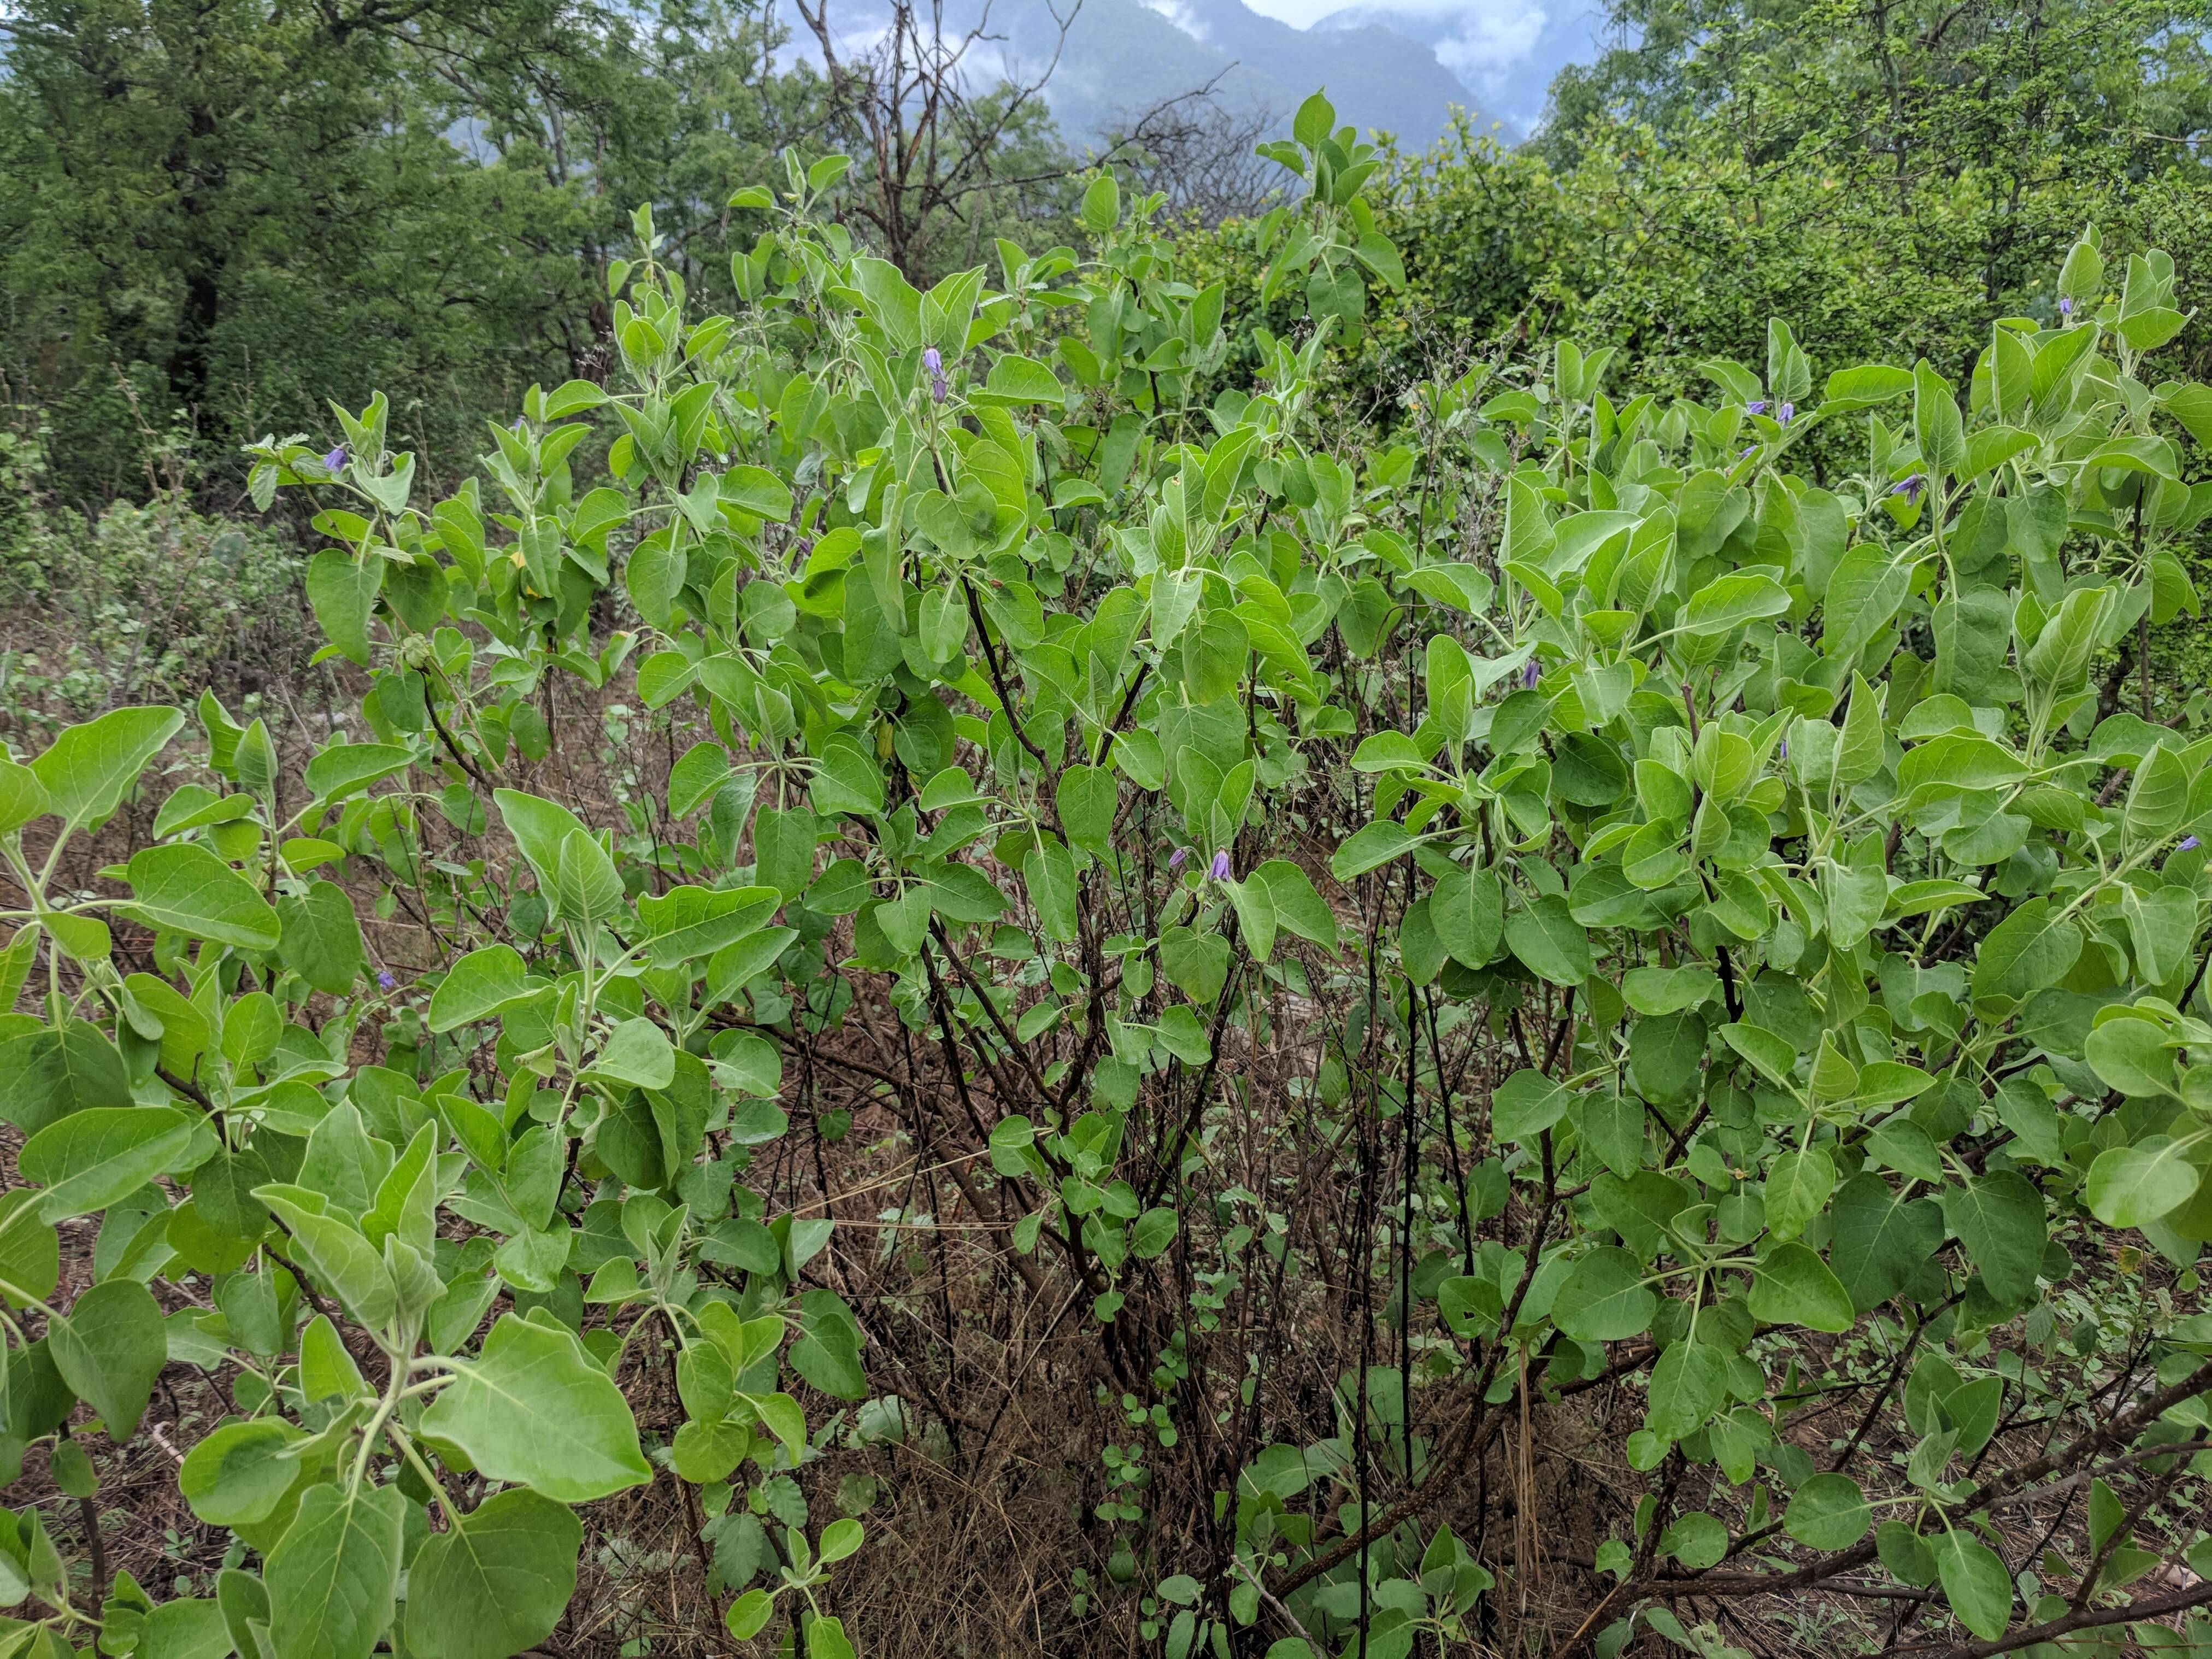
[1179,13]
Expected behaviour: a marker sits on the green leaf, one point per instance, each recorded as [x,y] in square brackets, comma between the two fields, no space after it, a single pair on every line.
[2130,1185]
[1827,1512]
[539,827]
[335,1250]
[1102,204]
[1728,602]
[1605,1299]
[756,490]
[480,985]
[30,1248]
[696,778]
[1935,423]
[189,1627]
[333,1576]
[1087,798]
[1049,873]
[1687,1386]
[587,889]
[1669,990]
[783,844]
[1793,1286]
[1865,386]
[188,889]
[1544,935]
[1526,1104]
[237,1475]
[321,941]
[497,1582]
[1153,1232]
[1975,1581]
[87,769]
[1196,964]
[1298,908]
[534,1408]
[1389,751]
[2028,952]
[2000,1219]
[828,1353]
[2158,800]
[1797,1188]
[327,1369]
[91,1158]
[1015,379]
[342,590]
[1313,119]
[893,304]
[1468,910]
[1369,848]
[747,1613]
[22,797]
[691,922]
[110,1347]
[343,767]
[637,1053]
[46,1075]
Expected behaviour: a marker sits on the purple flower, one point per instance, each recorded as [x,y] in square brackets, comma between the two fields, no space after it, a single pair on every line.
[1911,489]
[1782,750]
[1747,452]
[2066,306]
[1786,414]
[1221,865]
[385,980]
[520,422]
[335,459]
[1176,858]
[1756,406]
[937,388]
[931,361]
[1530,675]
[2187,844]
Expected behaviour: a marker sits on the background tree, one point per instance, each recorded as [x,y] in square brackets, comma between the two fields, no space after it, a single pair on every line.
[220,214]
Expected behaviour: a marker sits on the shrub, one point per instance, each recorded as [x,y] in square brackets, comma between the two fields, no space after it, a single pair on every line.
[1548,889]
[143,603]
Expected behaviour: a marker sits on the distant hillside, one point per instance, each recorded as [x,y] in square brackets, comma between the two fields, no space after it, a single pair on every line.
[1505,52]
[1124,57]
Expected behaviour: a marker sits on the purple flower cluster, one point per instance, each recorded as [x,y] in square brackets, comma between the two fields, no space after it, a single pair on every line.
[385,980]
[933,360]
[1220,871]
[1911,489]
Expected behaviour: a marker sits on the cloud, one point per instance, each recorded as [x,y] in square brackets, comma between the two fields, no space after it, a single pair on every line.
[1179,13]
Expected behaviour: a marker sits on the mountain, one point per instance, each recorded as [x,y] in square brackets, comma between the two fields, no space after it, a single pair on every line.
[1123,58]
[1505,51]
